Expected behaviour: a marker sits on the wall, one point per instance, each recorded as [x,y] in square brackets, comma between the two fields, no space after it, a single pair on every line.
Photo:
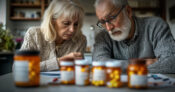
[89,29]
[18,28]
[3,11]
[170,3]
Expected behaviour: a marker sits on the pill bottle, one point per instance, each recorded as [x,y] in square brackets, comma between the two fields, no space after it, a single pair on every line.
[113,73]
[26,68]
[82,72]
[137,74]
[67,72]
[98,73]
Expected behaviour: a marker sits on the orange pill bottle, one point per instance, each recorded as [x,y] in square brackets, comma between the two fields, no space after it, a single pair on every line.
[113,73]
[26,68]
[137,74]
[82,72]
[67,71]
[98,73]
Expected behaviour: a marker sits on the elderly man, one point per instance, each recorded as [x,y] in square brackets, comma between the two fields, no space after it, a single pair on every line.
[125,36]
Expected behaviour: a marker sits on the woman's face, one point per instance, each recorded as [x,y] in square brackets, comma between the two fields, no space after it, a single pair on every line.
[66,28]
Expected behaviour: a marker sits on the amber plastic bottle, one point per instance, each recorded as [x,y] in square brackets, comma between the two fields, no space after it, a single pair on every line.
[26,68]
[113,73]
[67,71]
[137,74]
[82,72]
[98,74]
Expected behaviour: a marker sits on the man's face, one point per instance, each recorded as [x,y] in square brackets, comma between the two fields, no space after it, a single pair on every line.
[119,27]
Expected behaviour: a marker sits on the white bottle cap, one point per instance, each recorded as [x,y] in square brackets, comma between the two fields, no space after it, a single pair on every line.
[66,63]
[98,63]
[81,62]
[113,64]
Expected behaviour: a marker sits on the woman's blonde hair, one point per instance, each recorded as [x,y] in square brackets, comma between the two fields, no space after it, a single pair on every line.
[61,8]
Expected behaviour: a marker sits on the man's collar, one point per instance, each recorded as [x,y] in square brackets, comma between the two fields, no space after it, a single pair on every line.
[136,33]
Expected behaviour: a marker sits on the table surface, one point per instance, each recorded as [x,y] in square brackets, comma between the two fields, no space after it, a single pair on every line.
[7,85]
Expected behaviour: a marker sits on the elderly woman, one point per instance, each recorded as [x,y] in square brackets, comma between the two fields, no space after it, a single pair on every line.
[59,37]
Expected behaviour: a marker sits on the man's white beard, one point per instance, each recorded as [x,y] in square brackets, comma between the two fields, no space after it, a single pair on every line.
[125,29]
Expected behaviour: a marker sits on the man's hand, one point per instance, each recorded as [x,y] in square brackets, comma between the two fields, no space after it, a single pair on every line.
[71,56]
[150,61]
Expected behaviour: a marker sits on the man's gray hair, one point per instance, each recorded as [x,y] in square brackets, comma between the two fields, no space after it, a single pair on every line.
[117,3]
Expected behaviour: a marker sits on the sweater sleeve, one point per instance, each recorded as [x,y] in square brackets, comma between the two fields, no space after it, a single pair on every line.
[33,41]
[29,42]
[49,65]
[164,49]
[102,47]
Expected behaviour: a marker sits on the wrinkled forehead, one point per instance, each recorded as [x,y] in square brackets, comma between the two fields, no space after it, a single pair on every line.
[105,9]
[70,18]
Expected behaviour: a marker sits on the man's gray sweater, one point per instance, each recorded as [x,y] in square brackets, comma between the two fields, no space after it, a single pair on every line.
[152,39]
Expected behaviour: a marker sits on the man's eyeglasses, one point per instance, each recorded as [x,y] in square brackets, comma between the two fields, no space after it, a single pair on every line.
[101,23]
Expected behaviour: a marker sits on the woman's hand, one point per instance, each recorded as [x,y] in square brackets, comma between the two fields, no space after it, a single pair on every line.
[71,56]
[150,61]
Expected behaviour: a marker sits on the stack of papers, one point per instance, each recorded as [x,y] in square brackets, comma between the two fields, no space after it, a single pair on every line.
[160,80]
